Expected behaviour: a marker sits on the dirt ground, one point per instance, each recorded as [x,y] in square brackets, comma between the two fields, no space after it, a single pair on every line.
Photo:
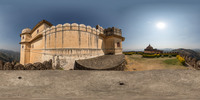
[137,63]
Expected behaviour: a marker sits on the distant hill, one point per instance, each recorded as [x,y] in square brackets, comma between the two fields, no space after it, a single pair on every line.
[197,50]
[189,52]
[9,56]
[167,49]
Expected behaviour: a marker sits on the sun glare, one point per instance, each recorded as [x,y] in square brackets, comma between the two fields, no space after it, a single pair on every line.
[160,25]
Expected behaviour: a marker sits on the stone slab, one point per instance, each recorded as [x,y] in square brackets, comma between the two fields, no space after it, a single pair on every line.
[102,62]
[100,85]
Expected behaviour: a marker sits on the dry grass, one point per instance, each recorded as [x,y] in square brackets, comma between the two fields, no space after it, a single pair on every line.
[137,63]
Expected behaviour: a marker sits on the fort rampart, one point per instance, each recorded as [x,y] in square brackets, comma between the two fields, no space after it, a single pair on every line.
[68,42]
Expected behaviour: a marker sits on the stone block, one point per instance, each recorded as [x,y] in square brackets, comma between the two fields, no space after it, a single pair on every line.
[8,66]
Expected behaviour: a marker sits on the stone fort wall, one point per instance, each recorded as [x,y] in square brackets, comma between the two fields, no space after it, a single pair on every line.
[68,42]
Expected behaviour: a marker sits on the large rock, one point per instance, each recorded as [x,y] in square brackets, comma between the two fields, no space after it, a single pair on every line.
[13,63]
[48,64]
[187,58]
[39,66]
[29,67]
[198,64]
[8,66]
[18,66]
[193,62]
[1,65]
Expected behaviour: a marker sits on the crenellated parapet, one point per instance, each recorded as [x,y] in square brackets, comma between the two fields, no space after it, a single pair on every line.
[113,31]
[25,35]
[74,27]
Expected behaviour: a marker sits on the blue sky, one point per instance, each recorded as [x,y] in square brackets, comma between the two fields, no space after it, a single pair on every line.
[136,18]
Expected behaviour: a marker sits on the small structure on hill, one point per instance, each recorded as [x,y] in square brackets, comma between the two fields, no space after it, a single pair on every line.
[150,49]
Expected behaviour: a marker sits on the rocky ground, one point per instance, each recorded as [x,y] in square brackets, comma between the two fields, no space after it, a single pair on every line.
[100,85]
[46,65]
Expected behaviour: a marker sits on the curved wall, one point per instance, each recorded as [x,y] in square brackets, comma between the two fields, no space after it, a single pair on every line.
[66,43]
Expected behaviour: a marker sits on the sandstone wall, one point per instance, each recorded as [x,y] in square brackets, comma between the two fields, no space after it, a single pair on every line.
[66,43]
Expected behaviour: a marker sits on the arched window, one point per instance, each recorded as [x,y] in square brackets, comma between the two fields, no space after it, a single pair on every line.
[22,46]
[38,31]
[22,37]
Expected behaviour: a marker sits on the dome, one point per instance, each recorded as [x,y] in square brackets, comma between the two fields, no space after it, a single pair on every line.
[149,47]
[26,30]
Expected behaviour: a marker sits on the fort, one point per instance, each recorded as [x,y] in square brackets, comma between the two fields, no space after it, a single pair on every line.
[69,42]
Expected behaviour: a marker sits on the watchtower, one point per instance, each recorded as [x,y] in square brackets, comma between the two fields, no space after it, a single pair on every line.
[25,46]
[113,40]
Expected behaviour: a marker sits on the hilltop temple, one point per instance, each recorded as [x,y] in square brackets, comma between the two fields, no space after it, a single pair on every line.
[149,49]
[69,42]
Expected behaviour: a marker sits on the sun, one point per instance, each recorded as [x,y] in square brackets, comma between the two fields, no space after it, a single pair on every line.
[161,25]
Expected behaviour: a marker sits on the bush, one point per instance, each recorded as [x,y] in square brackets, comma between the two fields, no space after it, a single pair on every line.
[141,53]
[128,53]
[165,55]
[174,54]
[158,55]
[181,59]
[132,52]
[150,55]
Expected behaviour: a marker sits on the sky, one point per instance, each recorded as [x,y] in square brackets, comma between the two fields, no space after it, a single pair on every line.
[138,20]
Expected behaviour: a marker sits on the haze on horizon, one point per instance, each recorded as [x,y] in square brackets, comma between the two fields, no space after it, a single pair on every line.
[161,23]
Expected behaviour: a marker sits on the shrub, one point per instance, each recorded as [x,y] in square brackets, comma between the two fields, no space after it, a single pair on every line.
[181,59]
[174,54]
[149,55]
[141,53]
[165,55]
[128,53]
[158,55]
[132,52]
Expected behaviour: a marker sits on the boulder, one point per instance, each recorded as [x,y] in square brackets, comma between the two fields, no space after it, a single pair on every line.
[50,61]
[18,66]
[189,59]
[48,64]
[1,65]
[13,63]
[58,67]
[198,64]
[8,66]
[193,62]
[39,66]
[29,67]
